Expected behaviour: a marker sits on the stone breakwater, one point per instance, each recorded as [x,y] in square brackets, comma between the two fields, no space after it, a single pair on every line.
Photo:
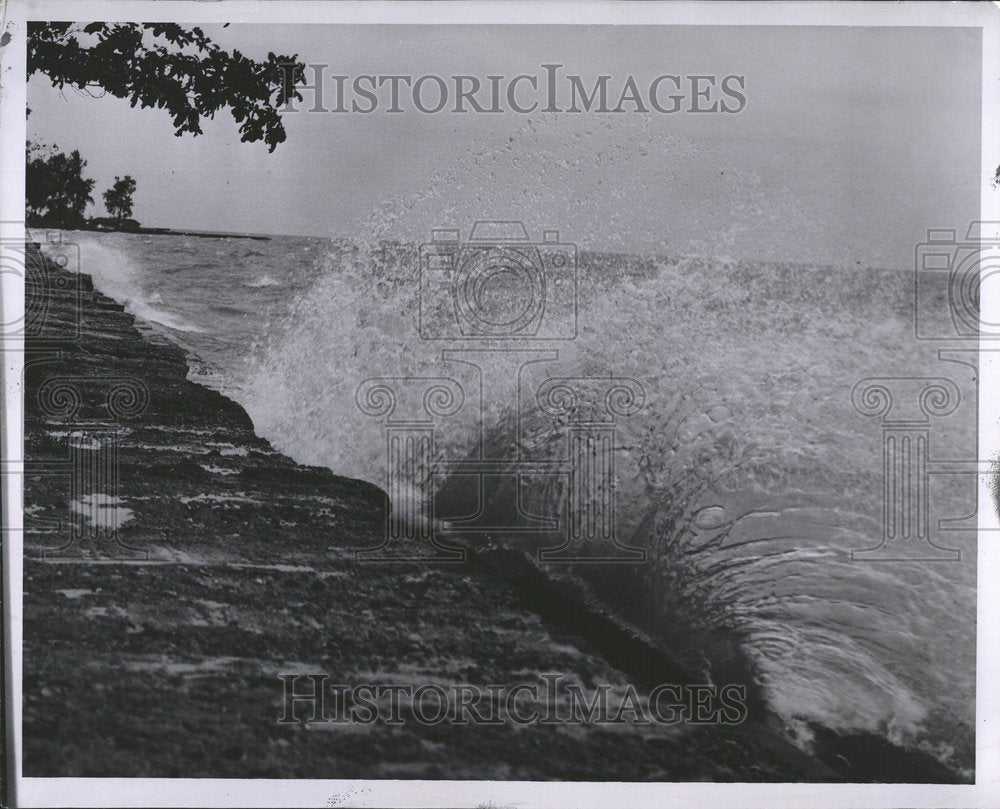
[176,564]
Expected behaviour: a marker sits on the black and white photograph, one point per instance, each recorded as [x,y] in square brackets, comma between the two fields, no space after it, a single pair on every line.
[500,405]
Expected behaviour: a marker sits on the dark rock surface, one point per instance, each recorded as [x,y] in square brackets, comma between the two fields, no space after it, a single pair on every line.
[154,648]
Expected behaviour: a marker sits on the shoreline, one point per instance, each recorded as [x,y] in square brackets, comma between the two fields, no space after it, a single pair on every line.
[146,231]
[255,562]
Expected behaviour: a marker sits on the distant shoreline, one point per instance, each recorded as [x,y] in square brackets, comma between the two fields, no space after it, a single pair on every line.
[202,234]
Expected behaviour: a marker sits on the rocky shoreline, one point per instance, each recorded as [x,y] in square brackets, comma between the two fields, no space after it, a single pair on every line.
[176,565]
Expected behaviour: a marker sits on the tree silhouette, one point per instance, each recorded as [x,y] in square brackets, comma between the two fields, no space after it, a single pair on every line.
[118,198]
[56,192]
[170,67]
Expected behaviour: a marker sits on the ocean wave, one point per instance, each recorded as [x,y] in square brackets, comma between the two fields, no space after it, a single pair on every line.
[746,477]
[151,314]
[116,273]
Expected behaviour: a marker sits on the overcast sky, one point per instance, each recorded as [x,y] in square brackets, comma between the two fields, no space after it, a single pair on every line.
[852,143]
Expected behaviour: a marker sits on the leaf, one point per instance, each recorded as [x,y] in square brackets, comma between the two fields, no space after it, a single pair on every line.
[161,74]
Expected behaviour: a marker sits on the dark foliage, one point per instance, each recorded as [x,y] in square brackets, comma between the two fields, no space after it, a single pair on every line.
[169,67]
[56,192]
[118,198]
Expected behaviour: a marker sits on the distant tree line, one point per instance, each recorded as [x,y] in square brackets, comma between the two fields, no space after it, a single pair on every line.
[57,193]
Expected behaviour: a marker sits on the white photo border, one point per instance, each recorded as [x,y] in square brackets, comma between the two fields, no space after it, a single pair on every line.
[182,792]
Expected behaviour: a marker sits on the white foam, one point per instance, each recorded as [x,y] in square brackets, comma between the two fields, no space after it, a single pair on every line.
[103,511]
[115,273]
[264,281]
